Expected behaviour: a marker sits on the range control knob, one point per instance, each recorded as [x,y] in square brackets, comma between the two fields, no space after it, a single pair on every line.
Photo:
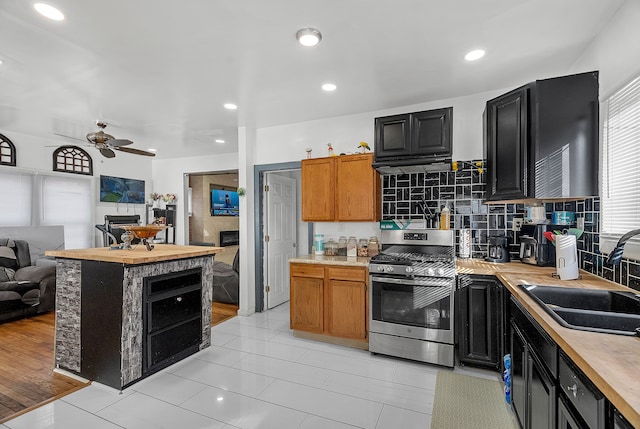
[441,272]
[389,269]
[408,270]
[380,268]
[430,271]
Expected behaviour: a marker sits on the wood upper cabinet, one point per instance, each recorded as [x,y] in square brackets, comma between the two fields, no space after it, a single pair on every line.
[341,188]
[329,300]
[318,189]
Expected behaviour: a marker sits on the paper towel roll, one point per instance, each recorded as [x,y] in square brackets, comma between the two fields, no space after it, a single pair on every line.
[566,257]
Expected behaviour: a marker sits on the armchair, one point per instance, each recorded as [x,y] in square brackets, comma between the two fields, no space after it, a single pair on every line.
[226,281]
[25,289]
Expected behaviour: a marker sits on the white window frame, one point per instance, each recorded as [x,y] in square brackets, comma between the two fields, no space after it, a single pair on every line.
[617,218]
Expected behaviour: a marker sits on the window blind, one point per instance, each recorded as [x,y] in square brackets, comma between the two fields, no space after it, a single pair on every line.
[15,193]
[620,203]
[67,202]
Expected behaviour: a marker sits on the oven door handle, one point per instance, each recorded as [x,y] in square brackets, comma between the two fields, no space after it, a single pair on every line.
[408,282]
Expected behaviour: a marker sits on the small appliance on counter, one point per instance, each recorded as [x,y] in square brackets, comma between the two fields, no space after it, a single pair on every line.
[566,257]
[535,249]
[498,249]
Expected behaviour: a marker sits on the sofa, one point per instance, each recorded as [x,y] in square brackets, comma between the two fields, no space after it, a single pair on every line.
[226,281]
[25,289]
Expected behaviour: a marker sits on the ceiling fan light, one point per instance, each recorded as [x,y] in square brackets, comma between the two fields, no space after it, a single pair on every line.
[49,11]
[308,36]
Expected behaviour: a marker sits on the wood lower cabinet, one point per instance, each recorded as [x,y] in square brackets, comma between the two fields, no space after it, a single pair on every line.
[307,298]
[341,188]
[329,300]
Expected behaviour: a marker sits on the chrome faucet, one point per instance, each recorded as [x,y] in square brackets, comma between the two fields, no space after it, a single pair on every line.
[615,255]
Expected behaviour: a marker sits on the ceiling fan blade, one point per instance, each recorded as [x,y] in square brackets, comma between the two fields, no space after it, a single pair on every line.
[107,153]
[119,142]
[69,137]
[134,151]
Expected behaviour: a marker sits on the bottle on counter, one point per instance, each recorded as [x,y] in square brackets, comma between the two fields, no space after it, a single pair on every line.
[445,217]
[352,247]
[342,246]
[373,246]
[363,247]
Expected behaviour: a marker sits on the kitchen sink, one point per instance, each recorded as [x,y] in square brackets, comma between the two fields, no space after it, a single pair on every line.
[612,312]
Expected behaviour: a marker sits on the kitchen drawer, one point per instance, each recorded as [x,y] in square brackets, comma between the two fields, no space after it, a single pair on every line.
[582,394]
[307,270]
[539,341]
[352,274]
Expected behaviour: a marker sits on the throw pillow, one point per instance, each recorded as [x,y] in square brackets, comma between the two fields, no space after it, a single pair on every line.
[8,257]
[6,274]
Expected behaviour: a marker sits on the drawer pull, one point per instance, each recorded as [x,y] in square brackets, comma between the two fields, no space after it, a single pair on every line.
[573,389]
[179,299]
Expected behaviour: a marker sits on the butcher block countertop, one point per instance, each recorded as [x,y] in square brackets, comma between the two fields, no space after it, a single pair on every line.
[612,362]
[138,255]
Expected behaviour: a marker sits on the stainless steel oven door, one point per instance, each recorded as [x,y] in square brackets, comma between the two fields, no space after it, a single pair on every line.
[420,308]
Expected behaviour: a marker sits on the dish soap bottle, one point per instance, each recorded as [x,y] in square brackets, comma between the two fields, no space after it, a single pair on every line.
[445,217]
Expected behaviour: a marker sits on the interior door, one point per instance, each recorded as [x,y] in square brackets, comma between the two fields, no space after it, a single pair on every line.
[281,224]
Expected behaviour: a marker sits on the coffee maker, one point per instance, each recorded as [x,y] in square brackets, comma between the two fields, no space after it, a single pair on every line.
[498,250]
[535,249]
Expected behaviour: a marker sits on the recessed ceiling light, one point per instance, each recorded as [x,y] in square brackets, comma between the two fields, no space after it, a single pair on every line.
[1,62]
[49,11]
[230,106]
[219,141]
[474,55]
[152,149]
[329,87]
[308,36]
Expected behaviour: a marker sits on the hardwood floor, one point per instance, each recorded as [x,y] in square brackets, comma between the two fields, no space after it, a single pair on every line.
[27,379]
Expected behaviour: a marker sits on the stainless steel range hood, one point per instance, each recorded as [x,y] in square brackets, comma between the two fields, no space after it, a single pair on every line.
[412,165]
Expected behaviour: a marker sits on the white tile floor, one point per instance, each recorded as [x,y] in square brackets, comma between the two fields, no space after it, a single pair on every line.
[256,375]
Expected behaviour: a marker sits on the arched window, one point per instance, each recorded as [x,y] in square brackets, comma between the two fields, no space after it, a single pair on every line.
[72,159]
[7,152]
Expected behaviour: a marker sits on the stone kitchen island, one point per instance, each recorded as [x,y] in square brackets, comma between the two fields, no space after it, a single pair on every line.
[122,315]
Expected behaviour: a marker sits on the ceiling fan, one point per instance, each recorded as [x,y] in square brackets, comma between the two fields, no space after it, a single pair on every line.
[106,143]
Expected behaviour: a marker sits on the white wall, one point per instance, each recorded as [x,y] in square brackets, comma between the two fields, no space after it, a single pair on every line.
[616,51]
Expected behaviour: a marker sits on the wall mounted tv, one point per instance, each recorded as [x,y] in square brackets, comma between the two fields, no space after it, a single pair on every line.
[121,190]
[224,203]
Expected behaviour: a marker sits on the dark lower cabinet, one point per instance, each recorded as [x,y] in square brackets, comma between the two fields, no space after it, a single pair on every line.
[533,388]
[566,419]
[480,320]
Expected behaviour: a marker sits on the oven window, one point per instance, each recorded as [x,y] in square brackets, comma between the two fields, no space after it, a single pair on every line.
[422,306]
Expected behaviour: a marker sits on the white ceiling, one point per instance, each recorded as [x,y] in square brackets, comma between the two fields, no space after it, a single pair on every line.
[159,71]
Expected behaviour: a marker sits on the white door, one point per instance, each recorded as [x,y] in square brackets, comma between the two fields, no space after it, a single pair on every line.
[280,246]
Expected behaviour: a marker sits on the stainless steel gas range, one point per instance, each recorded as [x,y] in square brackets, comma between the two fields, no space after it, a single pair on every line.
[411,302]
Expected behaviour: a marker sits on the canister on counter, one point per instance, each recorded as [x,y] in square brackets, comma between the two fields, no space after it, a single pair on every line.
[318,243]
[362,247]
[342,246]
[373,246]
[352,247]
[331,248]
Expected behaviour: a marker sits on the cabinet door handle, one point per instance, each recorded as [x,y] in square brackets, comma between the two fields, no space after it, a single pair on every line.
[573,389]
[179,299]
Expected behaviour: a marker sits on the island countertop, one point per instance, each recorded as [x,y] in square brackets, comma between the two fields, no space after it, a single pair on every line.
[138,255]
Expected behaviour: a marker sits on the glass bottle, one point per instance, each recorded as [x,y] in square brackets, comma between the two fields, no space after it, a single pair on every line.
[331,247]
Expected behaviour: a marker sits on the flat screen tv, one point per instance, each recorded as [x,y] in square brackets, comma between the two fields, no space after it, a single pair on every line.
[224,203]
[121,190]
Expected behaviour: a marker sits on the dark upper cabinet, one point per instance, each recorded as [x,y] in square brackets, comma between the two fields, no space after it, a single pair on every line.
[507,134]
[541,140]
[420,135]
